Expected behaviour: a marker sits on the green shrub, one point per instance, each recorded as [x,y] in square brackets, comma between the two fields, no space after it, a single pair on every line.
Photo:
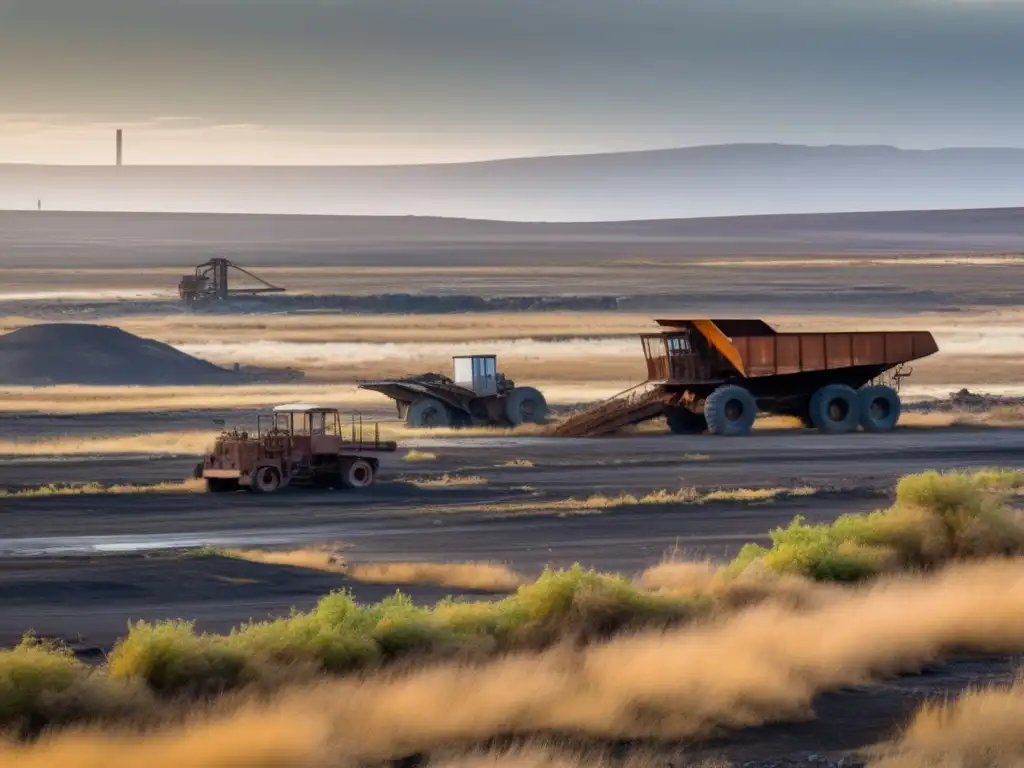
[333,637]
[581,602]
[32,672]
[172,659]
[936,517]
[401,628]
[42,684]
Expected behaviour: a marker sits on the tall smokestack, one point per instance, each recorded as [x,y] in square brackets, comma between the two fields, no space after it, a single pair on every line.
[120,147]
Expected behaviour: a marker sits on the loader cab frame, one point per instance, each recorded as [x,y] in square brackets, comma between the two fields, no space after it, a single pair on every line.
[476,372]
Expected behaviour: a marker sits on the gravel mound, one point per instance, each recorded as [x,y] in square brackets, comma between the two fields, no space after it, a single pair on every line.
[99,355]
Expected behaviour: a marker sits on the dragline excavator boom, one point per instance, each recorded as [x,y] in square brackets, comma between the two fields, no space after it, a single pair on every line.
[210,282]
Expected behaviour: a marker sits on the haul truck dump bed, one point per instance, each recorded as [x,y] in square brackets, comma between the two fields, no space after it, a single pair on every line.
[716,375]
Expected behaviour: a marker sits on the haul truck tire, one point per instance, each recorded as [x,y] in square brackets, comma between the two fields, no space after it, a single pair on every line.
[428,413]
[835,409]
[879,408]
[730,411]
[683,421]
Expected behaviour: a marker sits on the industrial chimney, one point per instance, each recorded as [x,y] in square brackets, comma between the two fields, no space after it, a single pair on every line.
[120,147]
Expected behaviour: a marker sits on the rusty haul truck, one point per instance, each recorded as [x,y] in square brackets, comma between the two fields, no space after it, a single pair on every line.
[296,445]
[716,375]
[476,395]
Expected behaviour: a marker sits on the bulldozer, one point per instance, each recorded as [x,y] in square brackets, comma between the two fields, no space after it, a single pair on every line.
[716,376]
[476,395]
[296,444]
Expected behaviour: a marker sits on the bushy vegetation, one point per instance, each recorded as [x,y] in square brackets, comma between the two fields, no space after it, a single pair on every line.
[42,683]
[937,517]
[172,660]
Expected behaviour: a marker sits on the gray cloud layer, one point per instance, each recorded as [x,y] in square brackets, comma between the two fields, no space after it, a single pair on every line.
[911,72]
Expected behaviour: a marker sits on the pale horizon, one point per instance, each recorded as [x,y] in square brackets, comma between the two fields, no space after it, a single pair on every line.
[389,82]
[188,142]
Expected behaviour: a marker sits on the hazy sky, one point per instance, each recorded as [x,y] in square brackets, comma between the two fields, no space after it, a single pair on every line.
[338,81]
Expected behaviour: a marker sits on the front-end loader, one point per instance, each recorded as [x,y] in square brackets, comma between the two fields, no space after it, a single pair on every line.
[476,395]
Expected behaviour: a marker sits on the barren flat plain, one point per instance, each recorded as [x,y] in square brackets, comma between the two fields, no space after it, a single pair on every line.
[101,524]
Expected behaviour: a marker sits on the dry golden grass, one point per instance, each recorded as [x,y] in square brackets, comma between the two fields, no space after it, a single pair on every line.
[517,463]
[181,442]
[398,431]
[88,489]
[1006,414]
[611,372]
[757,494]
[980,729]
[190,329]
[83,399]
[564,380]
[271,737]
[682,496]
[547,754]
[415,455]
[448,480]
[753,586]
[599,502]
[315,559]
[764,664]
[490,577]
[777,422]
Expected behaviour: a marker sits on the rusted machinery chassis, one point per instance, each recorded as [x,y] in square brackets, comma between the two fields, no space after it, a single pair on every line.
[715,375]
[464,405]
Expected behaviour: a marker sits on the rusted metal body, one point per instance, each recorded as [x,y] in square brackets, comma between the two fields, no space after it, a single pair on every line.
[477,395]
[813,376]
[703,352]
[297,444]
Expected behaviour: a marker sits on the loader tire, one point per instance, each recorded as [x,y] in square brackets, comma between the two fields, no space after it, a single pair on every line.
[525,405]
[730,411]
[879,408]
[357,473]
[683,421]
[266,480]
[835,409]
[428,413]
